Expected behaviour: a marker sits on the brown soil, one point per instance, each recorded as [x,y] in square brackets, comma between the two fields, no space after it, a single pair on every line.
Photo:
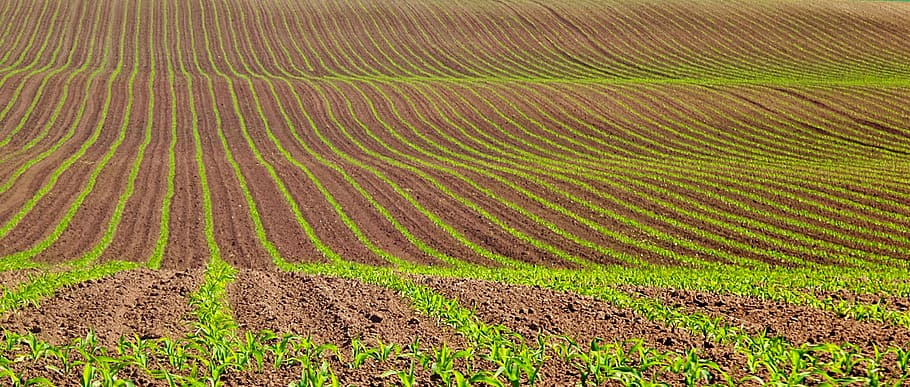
[96,211]
[280,223]
[186,243]
[798,324]
[11,279]
[336,311]
[901,304]
[452,134]
[327,309]
[147,303]
[142,214]
[530,311]
[592,129]
[34,177]
[369,220]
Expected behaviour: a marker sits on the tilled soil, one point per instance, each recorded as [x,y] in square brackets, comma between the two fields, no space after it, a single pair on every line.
[351,135]
[147,303]
[798,324]
[154,304]
[336,311]
[11,279]
[901,304]
[532,310]
[367,98]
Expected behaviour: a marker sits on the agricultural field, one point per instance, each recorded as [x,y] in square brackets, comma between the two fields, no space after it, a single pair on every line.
[451,193]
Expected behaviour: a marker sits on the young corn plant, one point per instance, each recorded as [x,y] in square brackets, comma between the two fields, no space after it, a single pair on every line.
[253,350]
[214,329]
[314,375]
[16,379]
[442,362]
[360,353]
[407,378]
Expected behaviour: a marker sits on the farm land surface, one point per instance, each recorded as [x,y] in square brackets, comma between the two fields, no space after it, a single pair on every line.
[428,192]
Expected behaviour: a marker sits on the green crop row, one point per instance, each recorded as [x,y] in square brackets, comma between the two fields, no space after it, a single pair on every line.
[286,194]
[382,52]
[108,237]
[154,261]
[44,81]
[57,111]
[248,69]
[15,67]
[215,348]
[356,185]
[814,224]
[516,360]
[657,169]
[83,268]
[782,361]
[17,12]
[212,349]
[348,179]
[637,180]
[46,284]
[529,178]
[21,258]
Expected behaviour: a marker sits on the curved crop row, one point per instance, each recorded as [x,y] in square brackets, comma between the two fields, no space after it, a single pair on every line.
[580,147]
[12,222]
[586,148]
